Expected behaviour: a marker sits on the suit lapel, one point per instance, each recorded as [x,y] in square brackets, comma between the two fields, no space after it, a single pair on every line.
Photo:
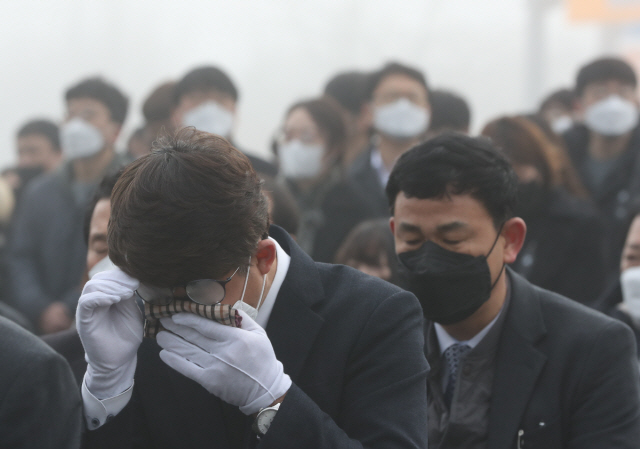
[518,363]
[293,325]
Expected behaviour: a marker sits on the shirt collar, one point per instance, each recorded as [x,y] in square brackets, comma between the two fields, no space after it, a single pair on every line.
[378,165]
[283,260]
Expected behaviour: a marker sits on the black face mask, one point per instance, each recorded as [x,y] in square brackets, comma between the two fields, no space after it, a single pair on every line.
[450,286]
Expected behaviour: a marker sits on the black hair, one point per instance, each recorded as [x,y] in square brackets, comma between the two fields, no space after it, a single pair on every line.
[455,164]
[349,89]
[449,111]
[605,69]
[45,128]
[103,192]
[104,92]
[204,79]
[564,97]
[394,68]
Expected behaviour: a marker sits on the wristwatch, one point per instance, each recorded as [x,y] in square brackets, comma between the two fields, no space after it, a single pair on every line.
[264,419]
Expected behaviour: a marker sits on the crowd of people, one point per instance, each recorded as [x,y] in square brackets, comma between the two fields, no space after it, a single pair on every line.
[387,280]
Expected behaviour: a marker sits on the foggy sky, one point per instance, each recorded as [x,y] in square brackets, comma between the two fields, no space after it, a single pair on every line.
[277,52]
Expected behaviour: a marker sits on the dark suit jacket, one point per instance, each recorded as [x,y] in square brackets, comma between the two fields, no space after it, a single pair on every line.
[353,346]
[40,404]
[564,250]
[566,366]
[621,187]
[365,177]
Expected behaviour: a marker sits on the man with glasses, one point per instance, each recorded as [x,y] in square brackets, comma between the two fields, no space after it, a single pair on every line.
[248,341]
[400,112]
[605,146]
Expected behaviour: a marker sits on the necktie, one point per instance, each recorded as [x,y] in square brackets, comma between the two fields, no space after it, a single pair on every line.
[454,355]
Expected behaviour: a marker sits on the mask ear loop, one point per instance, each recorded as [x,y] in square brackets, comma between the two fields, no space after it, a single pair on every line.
[491,250]
[246,280]
[264,283]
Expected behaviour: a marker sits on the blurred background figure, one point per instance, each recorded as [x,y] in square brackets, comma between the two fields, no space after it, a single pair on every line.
[38,148]
[46,253]
[157,111]
[137,145]
[7,204]
[349,89]
[564,248]
[557,110]
[605,146]
[449,112]
[399,105]
[310,149]
[207,99]
[283,208]
[369,247]
[622,298]
[67,342]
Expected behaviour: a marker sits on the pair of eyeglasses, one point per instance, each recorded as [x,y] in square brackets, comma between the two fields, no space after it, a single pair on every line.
[207,292]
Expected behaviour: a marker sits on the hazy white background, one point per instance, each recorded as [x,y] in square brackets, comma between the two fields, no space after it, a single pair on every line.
[278,51]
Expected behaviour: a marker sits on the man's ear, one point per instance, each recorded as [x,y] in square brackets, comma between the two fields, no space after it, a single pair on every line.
[265,255]
[392,225]
[514,232]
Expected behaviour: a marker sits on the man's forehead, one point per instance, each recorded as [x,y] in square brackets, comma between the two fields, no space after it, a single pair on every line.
[449,211]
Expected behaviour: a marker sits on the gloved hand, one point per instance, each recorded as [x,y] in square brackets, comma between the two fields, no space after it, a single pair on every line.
[110,326]
[237,365]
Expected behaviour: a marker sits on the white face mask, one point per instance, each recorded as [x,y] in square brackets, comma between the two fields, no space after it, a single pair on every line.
[241,305]
[561,124]
[630,281]
[105,264]
[613,116]
[401,119]
[210,117]
[299,160]
[80,139]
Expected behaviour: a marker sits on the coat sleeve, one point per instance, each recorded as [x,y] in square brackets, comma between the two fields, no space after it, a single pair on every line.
[384,391]
[26,290]
[606,409]
[42,406]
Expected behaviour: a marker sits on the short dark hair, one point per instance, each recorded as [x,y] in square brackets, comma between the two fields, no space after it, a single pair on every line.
[44,128]
[564,97]
[455,164]
[394,68]
[203,79]
[327,116]
[104,92]
[191,209]
[605,69]
[349,89]
[103,192]
[449,111]
[159,104]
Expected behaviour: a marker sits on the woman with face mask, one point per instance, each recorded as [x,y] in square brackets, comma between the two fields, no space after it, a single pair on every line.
[621,300]
[310,148]
[564,248]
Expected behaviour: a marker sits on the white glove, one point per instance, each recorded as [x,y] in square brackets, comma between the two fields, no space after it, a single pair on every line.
[110,325]
[237,365]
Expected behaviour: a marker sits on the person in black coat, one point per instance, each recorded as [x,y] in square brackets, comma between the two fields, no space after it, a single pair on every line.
[623,302]
[40,405]
[564,250]
[605,146]
[339,363]
[513,365]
